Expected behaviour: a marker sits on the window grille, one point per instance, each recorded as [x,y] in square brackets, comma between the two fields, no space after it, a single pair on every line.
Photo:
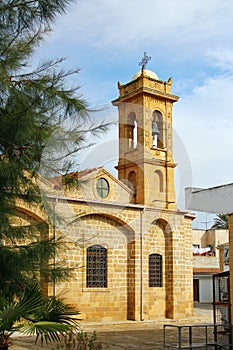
[155,270]
[96,275]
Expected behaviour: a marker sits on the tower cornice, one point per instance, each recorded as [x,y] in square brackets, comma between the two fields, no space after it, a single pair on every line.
[139,162]
[145,90]
[144,84]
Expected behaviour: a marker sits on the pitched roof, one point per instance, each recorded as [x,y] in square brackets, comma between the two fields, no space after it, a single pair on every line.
[57,180]
[85,172]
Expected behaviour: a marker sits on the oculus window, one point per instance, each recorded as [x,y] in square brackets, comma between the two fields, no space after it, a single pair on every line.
[102,187]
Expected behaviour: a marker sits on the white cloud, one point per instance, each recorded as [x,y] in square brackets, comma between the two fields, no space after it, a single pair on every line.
[107,39]
[221,57]
[111,24]
[204,121]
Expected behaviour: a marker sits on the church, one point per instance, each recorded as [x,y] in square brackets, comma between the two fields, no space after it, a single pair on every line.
[128,244]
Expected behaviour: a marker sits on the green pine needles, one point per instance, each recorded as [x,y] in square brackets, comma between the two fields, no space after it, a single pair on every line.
[35,104]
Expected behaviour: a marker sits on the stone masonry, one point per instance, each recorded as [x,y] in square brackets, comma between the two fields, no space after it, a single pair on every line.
[132,218]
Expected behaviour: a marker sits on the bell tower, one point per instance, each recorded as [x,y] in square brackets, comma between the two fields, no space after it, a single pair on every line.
[145,138]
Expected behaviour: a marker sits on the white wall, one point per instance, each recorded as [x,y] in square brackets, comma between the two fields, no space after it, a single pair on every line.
[206,262]
[205,288]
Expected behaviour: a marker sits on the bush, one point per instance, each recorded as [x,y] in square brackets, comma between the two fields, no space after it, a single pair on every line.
[80,341]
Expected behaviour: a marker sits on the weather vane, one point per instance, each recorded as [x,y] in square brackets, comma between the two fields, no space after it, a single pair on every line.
[144,60]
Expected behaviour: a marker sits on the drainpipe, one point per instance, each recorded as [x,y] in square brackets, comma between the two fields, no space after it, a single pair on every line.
[54,238]
[166,156]
[141,266]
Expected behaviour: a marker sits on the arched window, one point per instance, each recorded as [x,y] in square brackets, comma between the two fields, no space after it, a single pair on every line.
[157,129]
[132,130]
[96,268]
[133,185]
[155,270]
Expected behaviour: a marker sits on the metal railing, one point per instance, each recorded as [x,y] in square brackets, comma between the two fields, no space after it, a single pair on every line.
[197,336]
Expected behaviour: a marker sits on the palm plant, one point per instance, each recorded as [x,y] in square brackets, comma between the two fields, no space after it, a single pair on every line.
[46,318]
[220,222]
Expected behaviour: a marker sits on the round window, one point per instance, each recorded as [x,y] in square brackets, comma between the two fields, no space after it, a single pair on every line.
[102,187]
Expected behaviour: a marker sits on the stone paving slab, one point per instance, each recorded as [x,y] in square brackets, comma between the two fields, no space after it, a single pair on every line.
[112,340]
[129,334]
[132,339]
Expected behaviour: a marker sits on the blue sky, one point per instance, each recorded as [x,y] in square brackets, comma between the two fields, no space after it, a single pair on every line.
[191,41]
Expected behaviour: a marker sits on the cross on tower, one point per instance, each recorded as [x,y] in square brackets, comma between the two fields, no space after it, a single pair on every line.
[144,60]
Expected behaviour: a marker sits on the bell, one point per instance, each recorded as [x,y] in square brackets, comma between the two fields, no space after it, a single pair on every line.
[155,129]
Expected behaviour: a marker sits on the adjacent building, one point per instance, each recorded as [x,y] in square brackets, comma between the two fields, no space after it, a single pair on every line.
[209,257]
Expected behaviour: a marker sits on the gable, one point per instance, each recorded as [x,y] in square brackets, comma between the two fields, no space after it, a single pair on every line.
[102,185]
[92,184]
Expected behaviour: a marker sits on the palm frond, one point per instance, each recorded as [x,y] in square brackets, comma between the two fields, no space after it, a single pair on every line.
[220,222]
[12,312]
[55,310]
[45,330]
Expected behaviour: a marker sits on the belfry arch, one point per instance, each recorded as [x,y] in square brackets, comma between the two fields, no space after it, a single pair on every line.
[131,131]
[157,118]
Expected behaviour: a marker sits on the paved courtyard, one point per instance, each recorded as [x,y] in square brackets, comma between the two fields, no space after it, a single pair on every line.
[128,335]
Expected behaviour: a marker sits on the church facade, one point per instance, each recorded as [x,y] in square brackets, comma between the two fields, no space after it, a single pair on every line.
[129,246]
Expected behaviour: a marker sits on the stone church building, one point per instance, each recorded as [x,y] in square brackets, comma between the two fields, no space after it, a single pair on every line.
[128,244]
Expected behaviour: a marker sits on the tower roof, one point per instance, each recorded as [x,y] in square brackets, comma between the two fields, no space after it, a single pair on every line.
[147,72]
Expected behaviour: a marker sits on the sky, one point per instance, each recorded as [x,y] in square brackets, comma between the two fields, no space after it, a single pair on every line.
[190,41]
